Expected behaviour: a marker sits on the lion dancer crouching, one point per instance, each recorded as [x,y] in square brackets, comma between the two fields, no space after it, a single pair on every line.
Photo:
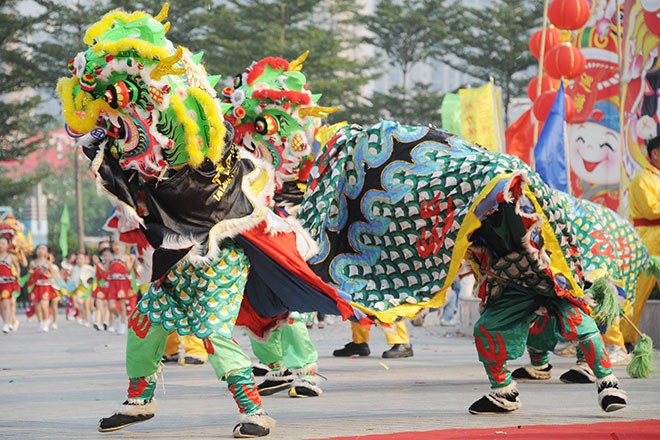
[527,254]
[148,120]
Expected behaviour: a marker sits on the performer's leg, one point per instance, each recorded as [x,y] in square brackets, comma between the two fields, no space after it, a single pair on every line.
[145,345]
[580,372]
[234,366]
[171,353]
[399,340]
[575,324]
[194,350]
[643,289]
[540,340]
[501,334]
[269,353]
[358,346]
[299,355]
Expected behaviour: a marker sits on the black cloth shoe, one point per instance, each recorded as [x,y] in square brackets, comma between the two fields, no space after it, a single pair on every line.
[496,403]
[580,373]
[530,372]
[399,351]
[128,414]
[191,360]
[170,358]
[250,430]
[352,349]
[276,381]
[610,397]
[258,371]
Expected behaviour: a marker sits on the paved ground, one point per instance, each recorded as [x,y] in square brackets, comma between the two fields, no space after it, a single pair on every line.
[57,385]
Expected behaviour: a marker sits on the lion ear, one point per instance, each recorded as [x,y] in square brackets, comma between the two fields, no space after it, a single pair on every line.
[162,15]
[296,65]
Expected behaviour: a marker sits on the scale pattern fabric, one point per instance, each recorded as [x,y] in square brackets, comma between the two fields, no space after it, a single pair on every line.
[609,243]
[388,206]
[200,300]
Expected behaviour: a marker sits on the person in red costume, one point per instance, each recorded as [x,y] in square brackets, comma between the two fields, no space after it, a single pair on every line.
[120,288]
[8,283]
[42,271]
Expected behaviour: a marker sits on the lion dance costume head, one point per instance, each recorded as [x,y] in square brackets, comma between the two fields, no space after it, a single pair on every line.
[151,103]
[275,115]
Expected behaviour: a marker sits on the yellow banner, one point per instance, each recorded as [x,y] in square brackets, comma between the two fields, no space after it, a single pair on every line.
[479,119]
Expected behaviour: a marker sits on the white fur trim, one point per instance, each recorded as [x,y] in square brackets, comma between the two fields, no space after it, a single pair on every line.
[583,369]
[308,383]
[499,397]
[306,370]
[139,408]
[259,417]
[537,372]
[610,382]
[279,375]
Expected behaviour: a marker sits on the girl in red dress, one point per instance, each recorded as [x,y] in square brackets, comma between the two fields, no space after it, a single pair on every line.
[8,283]
[100,293]
[120,286]
[42,271]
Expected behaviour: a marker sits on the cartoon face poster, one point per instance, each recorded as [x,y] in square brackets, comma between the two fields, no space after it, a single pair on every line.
[641,85]
[593,134]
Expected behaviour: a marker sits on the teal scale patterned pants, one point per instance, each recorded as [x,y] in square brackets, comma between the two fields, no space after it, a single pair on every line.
[512,321]
[289,346]
[203,301]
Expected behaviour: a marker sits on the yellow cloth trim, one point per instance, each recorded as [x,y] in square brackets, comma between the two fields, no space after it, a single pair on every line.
[190,129]
[144,49]
[106,22]
[217,128]
[82,120]
[558,262]
[470,224]
[325,133]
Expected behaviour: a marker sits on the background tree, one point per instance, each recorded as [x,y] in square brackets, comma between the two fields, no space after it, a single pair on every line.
[20,118]
[249,30]
[492,41]
[405,33]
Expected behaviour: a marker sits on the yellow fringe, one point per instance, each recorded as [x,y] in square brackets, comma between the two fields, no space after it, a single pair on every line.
[217,128]
[190,129]
[101,26]
[90,111]
[143,48]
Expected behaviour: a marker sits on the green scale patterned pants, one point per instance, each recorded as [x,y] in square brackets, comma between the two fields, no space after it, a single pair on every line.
[203,301]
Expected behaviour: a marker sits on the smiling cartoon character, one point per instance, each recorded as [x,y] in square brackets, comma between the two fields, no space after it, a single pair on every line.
[594,155]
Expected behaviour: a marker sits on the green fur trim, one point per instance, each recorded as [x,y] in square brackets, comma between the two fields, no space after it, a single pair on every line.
[654,267]
[642,364]
[606,310]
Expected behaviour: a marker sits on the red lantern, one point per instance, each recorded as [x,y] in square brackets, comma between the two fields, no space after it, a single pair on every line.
[551,40]
[564,61]
[569,14]
[547,84]
[543,104]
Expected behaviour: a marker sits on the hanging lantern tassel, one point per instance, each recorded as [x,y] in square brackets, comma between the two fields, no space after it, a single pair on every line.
[642,363]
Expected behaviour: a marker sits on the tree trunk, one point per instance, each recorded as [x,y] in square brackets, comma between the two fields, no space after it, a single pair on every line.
[79,202]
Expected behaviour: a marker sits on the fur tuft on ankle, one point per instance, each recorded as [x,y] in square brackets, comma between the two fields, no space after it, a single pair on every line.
[308,383]
[137,407]
[541,372]
[259,417]
[307,370]
[505,397]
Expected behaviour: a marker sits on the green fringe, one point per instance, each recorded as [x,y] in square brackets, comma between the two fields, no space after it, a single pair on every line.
[654,267]
[606,310]
[642,363]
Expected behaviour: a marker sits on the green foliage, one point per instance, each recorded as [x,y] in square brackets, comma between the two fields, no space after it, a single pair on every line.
[20,121]
[421,106]
[235,36]
[492,41]
[407,32]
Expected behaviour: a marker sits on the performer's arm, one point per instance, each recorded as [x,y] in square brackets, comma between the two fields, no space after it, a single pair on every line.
[646,197]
